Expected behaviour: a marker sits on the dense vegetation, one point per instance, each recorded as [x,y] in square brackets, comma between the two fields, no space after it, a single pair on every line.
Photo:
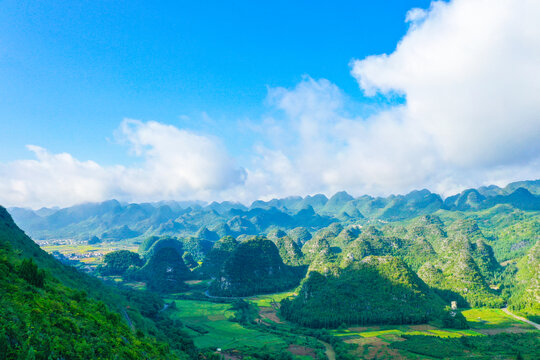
[254,267]
[375,290]
[526,295]
[54,321]
[217,256]
[118,262]
[41,318]
[165,269]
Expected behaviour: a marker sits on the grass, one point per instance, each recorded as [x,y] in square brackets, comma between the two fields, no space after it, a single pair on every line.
[137,285]
[478,319]
[266,300]
[397,330]
[491,318]
[216,331]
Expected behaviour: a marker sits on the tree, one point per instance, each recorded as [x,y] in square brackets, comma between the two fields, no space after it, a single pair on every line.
[29,271]
[117,262]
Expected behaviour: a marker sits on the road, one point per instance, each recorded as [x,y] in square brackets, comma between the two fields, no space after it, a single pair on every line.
[330,353]
[537,326]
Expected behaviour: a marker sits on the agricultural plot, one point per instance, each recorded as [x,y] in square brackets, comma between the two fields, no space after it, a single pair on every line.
[210,326]
[493,319]
[268,299]
[391,331]
[412,341]
[208,323]
[91,255]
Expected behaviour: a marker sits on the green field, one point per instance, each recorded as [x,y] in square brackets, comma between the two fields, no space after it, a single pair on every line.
[381,331]
[214,330]
[492,318]
[384,342]
[211,328]
[268,299]
[88,254]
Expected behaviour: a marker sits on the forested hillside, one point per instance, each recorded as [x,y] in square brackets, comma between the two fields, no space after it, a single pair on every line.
[254,267]
[49,310]
[374,290]
[526,295]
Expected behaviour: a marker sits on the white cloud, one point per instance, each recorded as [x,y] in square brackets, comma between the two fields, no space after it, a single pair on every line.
[416,15]
[176,164]
[329,150]
[469,72]
[52,179]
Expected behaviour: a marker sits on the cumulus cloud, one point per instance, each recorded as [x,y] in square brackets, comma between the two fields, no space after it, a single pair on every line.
[470,73]
[175,164]
[52,179]
[468,70]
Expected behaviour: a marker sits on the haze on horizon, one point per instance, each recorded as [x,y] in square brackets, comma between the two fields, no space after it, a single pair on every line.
[449,100]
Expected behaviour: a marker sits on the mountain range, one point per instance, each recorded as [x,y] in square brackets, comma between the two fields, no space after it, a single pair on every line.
[113,221]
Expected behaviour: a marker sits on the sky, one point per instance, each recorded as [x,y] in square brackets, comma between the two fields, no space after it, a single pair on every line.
[242,100]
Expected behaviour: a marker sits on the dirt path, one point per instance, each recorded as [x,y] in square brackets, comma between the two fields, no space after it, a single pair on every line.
[537,326]
[270,314]
[330,353]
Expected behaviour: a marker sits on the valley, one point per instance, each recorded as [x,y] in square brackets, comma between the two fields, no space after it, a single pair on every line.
[212,329]
[312,278]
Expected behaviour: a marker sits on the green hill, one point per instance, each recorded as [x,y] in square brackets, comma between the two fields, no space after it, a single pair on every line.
[254,267]
[118,262]
[300,235]
[165,270]
[375,290]
[457,276]
[119,233]
[289,251]
[219,253]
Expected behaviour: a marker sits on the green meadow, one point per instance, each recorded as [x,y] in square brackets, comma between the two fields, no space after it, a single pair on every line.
[210,327]
[484,318]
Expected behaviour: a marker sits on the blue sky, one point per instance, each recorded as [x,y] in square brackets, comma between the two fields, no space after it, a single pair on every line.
[71,72]
[243,100]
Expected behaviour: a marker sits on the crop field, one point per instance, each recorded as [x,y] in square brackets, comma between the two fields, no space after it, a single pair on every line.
[211,328]
[492,319]
[379,342]
[208,323]
[267,300]
[382,331]
[87,254]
